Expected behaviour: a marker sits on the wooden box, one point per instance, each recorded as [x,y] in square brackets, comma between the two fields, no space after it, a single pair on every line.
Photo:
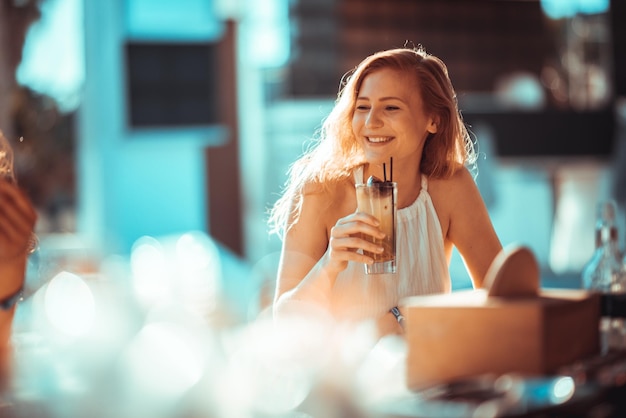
[468,333]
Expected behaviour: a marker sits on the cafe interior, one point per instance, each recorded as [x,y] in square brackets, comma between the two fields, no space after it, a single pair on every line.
[153,137]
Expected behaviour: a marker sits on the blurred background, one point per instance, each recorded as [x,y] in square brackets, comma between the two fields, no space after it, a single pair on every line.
[135,118]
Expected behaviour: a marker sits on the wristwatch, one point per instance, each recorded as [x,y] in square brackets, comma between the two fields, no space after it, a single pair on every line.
[9,302]
[399,317]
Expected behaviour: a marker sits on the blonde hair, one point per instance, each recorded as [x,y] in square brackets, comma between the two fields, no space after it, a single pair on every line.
[335,151]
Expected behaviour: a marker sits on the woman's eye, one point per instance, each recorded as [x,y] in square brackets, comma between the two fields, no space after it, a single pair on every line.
[362,107]
[392,108]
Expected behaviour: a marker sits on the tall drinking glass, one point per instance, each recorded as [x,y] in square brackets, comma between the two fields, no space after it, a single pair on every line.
[379,200]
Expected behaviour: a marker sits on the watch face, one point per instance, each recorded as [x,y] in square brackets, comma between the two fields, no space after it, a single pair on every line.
[399,317]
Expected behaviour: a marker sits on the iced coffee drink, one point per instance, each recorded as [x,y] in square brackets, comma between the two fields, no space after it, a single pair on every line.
[378,198]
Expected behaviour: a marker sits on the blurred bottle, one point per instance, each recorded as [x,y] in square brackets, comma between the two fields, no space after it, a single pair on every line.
[606,274]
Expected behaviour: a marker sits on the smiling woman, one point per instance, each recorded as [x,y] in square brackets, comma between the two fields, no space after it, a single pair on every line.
[396,104]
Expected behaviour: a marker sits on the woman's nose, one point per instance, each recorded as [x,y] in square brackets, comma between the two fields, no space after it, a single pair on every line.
[373,120]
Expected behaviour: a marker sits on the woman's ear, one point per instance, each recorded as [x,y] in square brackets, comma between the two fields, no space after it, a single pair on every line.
[432,126]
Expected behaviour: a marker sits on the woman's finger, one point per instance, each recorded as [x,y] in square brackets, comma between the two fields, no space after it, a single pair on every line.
[356,228]
[359,217]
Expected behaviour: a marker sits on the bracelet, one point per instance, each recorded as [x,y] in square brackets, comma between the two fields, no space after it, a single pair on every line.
[399,317]
[10,301]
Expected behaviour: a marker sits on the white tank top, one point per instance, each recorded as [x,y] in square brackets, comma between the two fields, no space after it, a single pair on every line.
[421,265]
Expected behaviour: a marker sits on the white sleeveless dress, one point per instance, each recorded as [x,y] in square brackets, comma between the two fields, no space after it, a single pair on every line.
[421,265]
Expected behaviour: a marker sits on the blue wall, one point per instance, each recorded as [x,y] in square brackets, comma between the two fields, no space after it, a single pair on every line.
[134,183]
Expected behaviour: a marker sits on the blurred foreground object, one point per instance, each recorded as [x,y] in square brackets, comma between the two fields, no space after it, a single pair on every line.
[155,335]
[513,327]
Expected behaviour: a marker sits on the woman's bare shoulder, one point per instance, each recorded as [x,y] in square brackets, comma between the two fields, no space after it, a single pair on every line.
[329,200]
[326,191]
[453,193]
[459,184]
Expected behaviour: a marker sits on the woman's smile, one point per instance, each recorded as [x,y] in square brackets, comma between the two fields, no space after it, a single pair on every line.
[379,139]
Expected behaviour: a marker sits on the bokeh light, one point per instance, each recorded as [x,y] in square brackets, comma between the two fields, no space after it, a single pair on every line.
[163,361]
[69,304]
[563,389]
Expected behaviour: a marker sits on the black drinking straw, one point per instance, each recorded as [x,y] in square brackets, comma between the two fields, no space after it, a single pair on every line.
[393,203]
[384,173]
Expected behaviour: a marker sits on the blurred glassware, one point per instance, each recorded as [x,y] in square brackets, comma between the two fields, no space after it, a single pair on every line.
[606,274]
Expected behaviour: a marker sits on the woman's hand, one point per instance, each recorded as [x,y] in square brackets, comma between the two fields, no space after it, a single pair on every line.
[346,239]
[17,221]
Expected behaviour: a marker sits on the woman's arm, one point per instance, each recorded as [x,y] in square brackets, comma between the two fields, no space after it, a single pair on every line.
[312,257]
[470,228]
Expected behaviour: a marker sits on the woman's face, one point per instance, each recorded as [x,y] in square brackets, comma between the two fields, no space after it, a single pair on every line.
[389,118]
